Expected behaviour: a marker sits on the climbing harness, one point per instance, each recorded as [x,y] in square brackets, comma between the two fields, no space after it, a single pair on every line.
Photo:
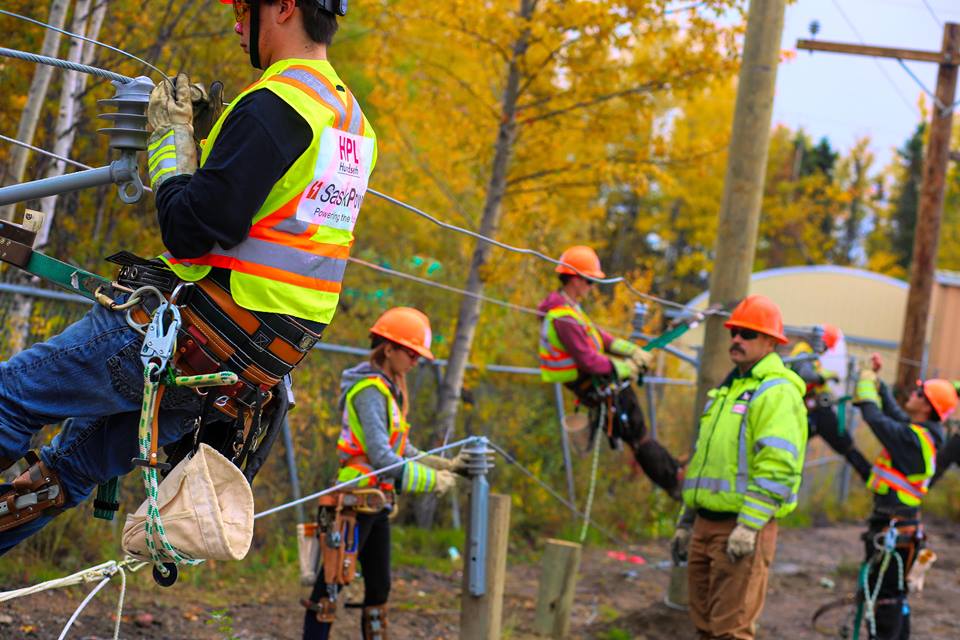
[898,534]
[332,543]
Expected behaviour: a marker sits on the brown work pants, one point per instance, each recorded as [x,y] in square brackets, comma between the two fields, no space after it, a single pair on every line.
[726,598]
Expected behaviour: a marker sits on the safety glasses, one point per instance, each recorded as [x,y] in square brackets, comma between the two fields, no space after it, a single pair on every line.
[746,334]
[413,355]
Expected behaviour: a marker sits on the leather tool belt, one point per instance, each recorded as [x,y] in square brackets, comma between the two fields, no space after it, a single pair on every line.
[339,535]
[219,335]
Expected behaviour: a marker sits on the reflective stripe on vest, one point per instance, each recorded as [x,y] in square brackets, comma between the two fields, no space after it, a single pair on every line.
[911,488]
[556,363]
[351,445]
[294,258]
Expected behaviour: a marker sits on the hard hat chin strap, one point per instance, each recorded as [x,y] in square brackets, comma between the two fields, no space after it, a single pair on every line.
[255,34]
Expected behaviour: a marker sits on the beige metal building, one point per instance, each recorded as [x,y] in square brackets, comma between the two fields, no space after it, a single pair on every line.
[867,306]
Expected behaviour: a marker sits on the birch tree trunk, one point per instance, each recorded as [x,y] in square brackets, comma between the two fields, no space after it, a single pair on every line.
[73,85]
[35,97]
[452,386]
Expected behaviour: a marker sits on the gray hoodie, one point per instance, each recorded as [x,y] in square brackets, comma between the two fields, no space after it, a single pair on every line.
[371,408]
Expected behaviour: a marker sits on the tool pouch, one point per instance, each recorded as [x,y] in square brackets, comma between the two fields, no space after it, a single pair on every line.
[308,551]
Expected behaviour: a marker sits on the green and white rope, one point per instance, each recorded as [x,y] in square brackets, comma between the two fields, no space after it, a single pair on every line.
[593,473]
[153,526]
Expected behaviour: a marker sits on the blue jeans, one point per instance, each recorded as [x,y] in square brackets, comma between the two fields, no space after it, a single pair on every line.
[90,376]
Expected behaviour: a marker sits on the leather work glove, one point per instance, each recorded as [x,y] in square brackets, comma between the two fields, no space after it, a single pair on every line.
[741,543]
[679,545]
[171,150]
[438,462]
[644,359]
[459,464]
[866,390]
[445,481]
[207,107]
[626,369]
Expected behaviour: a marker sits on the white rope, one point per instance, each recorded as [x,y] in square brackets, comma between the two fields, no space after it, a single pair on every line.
[83,605]
[123,593]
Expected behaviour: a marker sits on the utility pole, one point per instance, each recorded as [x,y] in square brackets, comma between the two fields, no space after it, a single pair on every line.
[743,186]
[927,234]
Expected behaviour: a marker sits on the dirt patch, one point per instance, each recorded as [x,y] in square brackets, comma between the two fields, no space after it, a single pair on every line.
[615,599]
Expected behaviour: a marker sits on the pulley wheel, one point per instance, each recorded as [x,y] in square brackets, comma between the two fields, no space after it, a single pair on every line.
[169,579]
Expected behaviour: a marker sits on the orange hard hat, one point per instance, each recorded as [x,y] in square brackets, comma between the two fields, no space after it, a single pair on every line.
[941,395]
[759,313]
[831,335]
[407,327]
[580,261]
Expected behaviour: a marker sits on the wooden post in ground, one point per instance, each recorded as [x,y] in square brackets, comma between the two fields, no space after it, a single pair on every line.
[481,617]
[558,582]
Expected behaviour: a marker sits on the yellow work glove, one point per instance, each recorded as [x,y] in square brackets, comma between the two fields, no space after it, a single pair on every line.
[626,369]
[679,545]
[741,543]
[866,390]
[207,107]
[171,150]
[445,481]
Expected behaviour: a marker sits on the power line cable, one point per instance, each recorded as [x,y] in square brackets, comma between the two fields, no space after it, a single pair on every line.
[84,38]
[883,70]
[65,64]
[933,14]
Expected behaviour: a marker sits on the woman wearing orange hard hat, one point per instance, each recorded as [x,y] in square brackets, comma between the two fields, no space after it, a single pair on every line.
[899,481]
[373,436]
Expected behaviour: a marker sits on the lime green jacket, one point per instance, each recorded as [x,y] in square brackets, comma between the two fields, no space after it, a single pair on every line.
[749,453]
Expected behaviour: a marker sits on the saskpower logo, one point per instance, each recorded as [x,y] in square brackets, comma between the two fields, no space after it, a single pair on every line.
[330,194]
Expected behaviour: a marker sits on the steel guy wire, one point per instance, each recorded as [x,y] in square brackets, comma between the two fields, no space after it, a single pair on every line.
[883,70]
[352,483]
[65,64]
[53,155]
[553,493]
[522,250]
[944,109]
[85,39]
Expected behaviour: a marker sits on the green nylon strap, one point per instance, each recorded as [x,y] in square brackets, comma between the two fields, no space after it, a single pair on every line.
[666,338]
[71,278]
[842,414]
[108,492]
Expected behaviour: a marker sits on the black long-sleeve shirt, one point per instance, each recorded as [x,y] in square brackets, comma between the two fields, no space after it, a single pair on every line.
[947,455]
[891,425]
[259,141]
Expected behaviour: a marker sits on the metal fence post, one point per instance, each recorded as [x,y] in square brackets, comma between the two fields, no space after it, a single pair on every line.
[651,408]
[292,469]
[564,443]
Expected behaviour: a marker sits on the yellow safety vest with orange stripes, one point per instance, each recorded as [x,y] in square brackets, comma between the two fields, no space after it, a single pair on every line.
[295,255]
[352,446]
[910,488]
[556,363]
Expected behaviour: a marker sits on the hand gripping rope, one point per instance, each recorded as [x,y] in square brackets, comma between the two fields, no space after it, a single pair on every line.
[159,345]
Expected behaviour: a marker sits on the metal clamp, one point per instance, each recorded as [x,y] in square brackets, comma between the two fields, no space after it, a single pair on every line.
[160,340]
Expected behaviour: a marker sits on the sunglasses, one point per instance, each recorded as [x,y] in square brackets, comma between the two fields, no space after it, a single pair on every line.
[240,10]
[413,355]
[746,334]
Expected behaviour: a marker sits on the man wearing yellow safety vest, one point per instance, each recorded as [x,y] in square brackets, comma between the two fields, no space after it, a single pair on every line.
[373,436]
[597,367]
[899,481]
[261,226]
[821,414]
[745,473]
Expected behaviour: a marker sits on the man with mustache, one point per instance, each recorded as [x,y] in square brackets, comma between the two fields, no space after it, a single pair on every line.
[744,474]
